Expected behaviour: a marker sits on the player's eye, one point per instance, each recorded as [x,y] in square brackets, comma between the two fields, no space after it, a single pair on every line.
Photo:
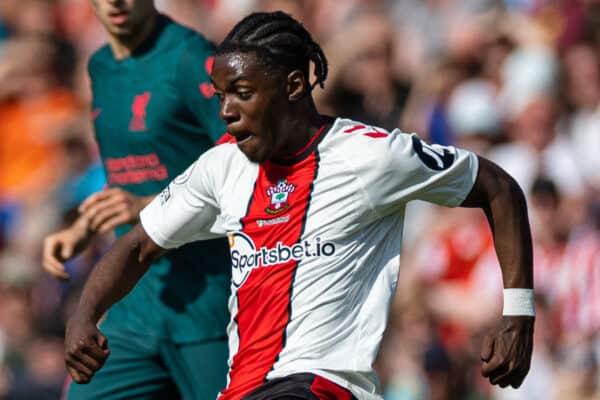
[244,94]
[219,95]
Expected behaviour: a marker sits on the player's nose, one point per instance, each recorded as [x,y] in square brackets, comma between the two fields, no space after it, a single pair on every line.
[229,112]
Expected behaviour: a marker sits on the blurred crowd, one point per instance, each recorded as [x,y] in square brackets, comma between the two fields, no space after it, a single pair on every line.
[517,81]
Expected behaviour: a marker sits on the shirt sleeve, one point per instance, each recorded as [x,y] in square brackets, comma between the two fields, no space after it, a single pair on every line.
[401,167]
[185,211]
[194,85]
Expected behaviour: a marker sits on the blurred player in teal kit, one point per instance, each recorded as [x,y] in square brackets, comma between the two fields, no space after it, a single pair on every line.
[154,114]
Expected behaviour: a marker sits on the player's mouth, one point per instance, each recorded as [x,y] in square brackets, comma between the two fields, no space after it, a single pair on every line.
[118,17]
[243,137]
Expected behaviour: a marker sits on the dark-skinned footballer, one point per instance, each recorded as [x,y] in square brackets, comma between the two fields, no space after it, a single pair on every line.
[313,208]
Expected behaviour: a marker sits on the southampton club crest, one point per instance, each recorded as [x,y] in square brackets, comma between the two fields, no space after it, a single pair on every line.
[279,194]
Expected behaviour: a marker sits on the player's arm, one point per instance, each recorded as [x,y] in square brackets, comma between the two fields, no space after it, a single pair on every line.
[403,168]
[112,278]
[99,213]
[506,353]
[60,246]
[185,211]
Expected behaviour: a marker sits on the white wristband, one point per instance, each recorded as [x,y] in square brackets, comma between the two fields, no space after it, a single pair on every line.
[519,302]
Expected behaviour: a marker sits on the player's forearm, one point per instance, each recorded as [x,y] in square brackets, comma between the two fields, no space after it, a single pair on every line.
[116,274]
[504,204]
[81,227]
[512,238]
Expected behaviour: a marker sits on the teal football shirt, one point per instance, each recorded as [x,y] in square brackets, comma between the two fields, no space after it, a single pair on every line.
[154,114]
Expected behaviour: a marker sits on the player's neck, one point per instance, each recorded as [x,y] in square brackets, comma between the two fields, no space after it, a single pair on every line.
[299,130]
[123,47]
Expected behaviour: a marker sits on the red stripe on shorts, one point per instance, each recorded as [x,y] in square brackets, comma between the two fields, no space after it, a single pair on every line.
[324,389]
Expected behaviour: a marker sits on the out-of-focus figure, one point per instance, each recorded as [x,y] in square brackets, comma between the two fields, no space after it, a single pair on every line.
[364,85]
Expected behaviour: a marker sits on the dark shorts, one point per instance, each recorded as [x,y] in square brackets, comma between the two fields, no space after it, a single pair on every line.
[300,387]
[142,368]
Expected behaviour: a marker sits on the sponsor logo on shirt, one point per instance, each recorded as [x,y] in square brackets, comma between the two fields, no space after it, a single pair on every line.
[273,221]
[134,169]
[245,256]
[279,194]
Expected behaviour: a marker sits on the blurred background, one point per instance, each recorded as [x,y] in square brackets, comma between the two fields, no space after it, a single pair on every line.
[517,81]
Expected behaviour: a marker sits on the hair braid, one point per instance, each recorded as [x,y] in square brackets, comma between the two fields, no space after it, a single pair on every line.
[279,41]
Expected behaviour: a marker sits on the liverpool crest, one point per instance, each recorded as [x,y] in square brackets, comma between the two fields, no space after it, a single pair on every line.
[138,109]
[279,194]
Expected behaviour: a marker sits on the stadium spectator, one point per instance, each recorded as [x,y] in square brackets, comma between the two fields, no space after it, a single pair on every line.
[363,85]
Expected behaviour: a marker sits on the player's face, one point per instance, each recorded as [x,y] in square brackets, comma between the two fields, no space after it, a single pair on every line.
[253,104]
[123,18]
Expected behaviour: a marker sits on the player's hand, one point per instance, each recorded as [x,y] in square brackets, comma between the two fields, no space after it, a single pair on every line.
[63,245]
[506,353]
[86,349]
[110,208]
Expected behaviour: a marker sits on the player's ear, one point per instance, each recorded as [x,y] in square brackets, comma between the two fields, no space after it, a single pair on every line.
[297,87]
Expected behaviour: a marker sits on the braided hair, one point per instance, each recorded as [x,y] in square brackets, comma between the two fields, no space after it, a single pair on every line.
[279,42]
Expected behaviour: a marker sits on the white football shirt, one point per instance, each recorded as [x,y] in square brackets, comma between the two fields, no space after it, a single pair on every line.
[315,245]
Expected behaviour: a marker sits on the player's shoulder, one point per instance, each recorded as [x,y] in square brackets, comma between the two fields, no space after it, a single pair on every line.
[352,132]
[187,39]
[191,52]
[225,156]
[362,141]
[198,42]
[368,147]
[101,59]
[220,164]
